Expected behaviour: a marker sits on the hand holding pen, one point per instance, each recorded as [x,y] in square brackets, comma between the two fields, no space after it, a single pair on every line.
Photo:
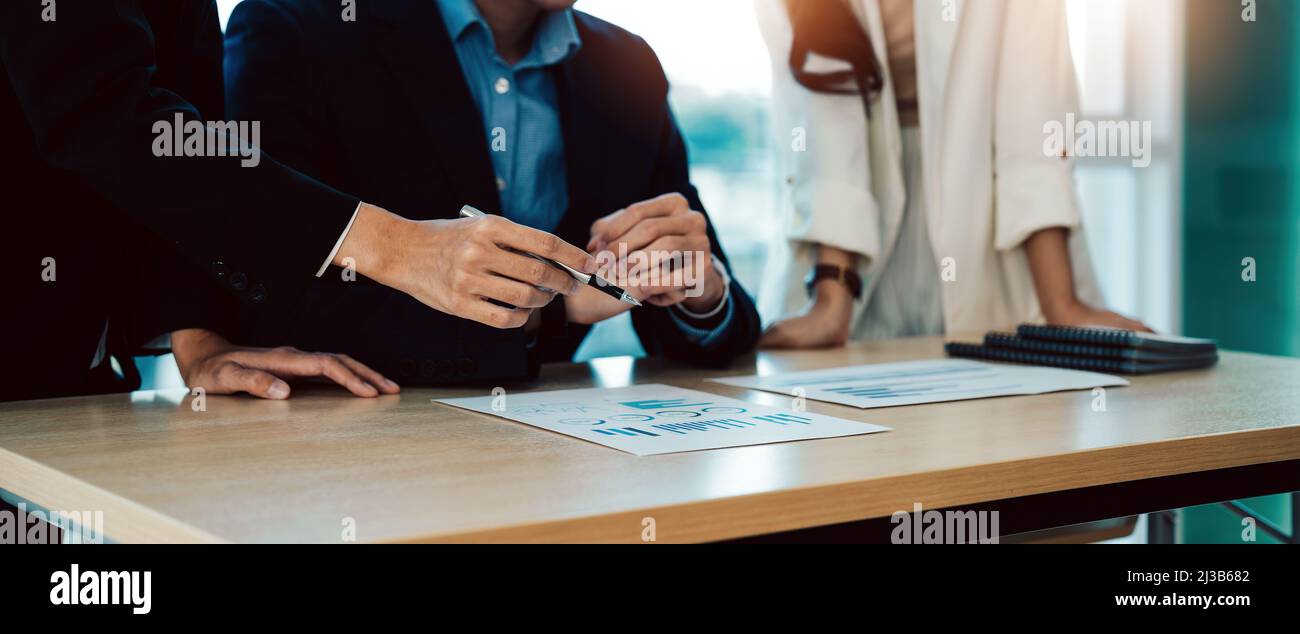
[472,268]
[587,279]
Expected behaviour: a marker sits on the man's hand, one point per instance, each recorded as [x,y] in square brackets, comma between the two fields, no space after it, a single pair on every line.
[655,234]
[590,306]
[457,266]
[208,361]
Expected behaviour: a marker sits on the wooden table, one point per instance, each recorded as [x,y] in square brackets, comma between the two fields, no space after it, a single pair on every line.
[405,469]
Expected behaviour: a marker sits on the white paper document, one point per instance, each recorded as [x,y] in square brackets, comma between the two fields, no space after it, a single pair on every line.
[656,419]
[916,382]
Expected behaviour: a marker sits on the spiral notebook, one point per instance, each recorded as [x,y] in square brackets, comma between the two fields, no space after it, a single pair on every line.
[1093,349]
[1114,337]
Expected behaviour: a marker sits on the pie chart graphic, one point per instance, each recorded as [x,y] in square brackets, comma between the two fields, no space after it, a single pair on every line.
[582,422]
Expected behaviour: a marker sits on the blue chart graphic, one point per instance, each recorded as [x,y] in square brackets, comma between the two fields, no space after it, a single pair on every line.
[890,391]
[667,411]
[649,420]
[704,425]
[732,423]
[881,379]
[582,421]
[626,431]
[785,419]
[661,404]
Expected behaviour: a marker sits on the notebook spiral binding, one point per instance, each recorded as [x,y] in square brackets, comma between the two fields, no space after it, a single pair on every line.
[1007,341]
[1093,336]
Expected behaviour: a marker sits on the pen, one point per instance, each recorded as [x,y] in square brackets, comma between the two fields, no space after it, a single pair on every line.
[594,281]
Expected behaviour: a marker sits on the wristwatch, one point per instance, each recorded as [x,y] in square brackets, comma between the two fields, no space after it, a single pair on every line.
[848,277]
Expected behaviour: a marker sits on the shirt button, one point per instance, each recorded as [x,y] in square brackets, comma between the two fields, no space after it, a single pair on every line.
[503,86]
[501,184]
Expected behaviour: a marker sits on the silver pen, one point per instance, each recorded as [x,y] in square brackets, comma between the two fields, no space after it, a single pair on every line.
[594,281]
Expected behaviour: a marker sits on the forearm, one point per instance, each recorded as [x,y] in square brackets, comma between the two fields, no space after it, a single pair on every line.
[1048,253]
[832,292]
[369,243]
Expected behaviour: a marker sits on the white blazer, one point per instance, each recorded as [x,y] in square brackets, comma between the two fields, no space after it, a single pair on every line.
[990,74]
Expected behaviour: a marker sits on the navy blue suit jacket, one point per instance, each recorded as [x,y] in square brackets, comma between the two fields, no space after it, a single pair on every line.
[380,108]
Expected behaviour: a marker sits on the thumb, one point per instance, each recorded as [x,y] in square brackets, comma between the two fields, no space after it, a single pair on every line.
[258,383]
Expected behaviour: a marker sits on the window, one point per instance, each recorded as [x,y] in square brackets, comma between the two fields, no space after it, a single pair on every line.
[721,81]
[1128,56]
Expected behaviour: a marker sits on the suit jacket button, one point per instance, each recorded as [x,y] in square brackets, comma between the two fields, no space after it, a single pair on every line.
[219,269]
[238,281]
[257,294]
[427,369]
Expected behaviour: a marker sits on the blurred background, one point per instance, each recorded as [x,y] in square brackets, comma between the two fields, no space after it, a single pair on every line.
[1168,241]
[1129,59]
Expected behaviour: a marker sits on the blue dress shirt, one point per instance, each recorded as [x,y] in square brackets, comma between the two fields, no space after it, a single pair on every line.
[520,109]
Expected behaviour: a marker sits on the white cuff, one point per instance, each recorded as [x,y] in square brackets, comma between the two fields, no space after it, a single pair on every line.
[339,245]
[726,295]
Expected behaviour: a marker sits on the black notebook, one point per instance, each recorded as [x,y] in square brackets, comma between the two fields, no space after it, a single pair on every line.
[1115,337]
[1047,346]
[1092,349]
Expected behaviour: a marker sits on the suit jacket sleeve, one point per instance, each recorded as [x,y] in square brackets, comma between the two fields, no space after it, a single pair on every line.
[659,333]
[270,47]
[87,84]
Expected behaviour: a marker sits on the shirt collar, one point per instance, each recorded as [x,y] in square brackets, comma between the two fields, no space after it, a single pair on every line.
[556,40]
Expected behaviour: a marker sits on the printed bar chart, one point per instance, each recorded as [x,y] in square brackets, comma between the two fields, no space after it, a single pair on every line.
[917,382]
[658,419]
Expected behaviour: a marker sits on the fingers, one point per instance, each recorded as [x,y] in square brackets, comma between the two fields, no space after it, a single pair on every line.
[657,278]
[669,252]
[1138,326]
[515,293]
[648,283]
[232,378]
[1120,321]
[1116,320]
[652,229]
[291,362]
[495,316]
[530,271]
[670,298]
[528,240]
[333,368]
[370,376]
[612,227]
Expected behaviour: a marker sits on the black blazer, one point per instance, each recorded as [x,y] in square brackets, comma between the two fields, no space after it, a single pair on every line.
[78,100]
[380,107]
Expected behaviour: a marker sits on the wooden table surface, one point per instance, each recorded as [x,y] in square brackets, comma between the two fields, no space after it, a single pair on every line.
[405,469]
